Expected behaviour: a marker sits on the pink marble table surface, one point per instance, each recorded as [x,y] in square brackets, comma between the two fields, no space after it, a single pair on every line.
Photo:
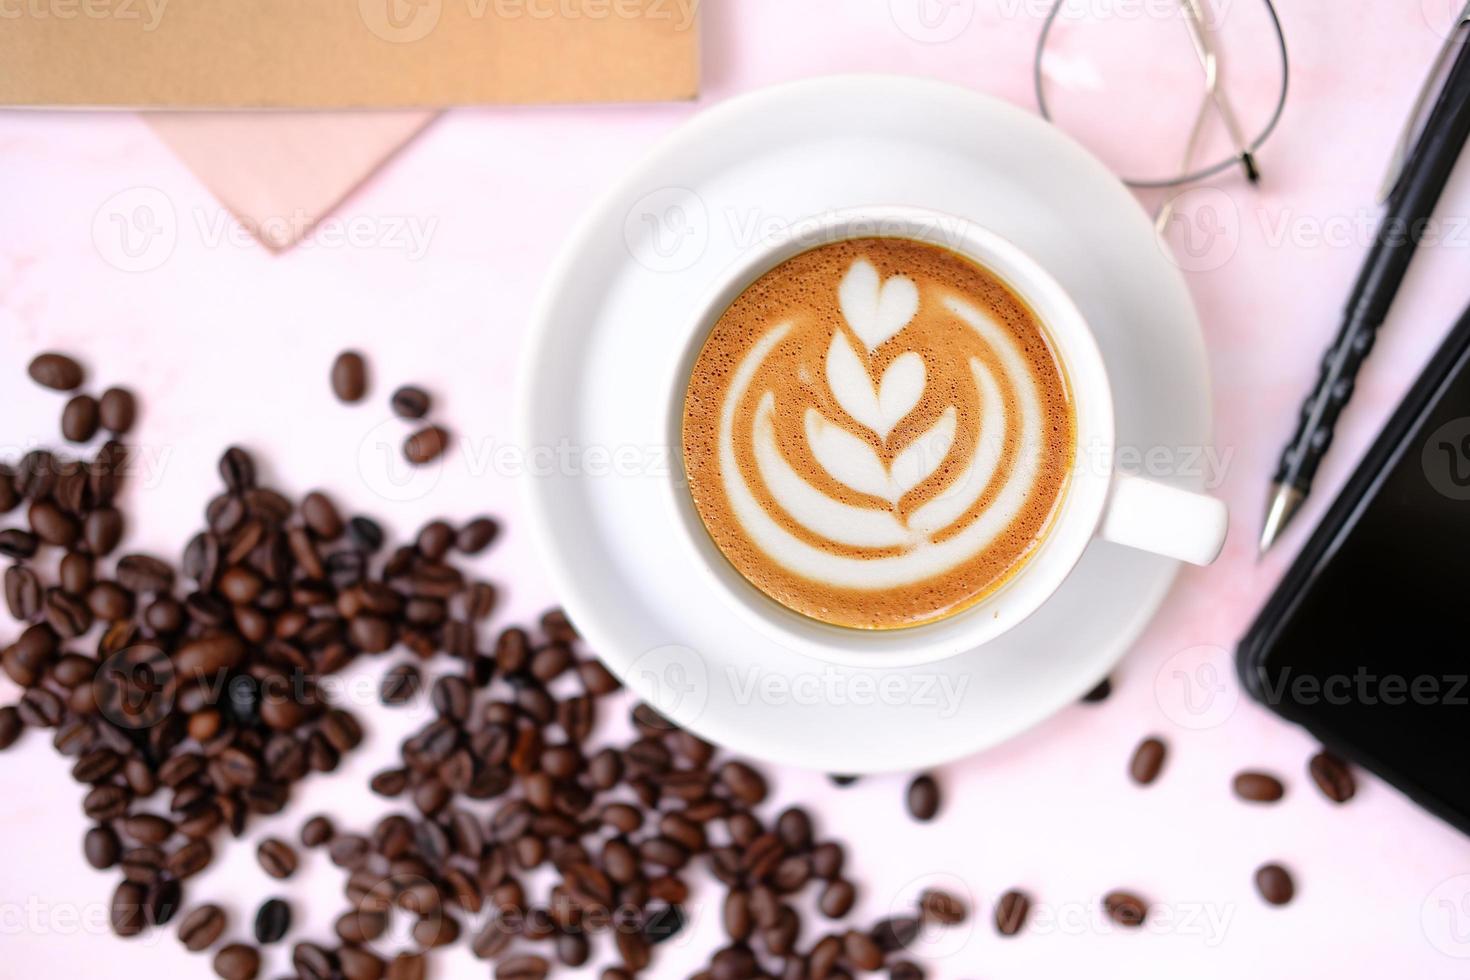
[432,268]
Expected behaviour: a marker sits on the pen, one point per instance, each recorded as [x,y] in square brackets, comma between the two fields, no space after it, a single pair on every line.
[1415,180]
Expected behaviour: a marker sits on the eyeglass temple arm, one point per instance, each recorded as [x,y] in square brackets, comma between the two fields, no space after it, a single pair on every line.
[1209,60]
[1166,210]
[1416,114]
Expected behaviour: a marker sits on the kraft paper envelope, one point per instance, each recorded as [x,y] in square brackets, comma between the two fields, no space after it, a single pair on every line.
[345,53]
[280,173]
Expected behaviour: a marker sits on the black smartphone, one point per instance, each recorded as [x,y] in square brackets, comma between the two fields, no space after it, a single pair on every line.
[1364,642]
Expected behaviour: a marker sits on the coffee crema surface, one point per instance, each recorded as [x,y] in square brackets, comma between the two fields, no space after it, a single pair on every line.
[877,433]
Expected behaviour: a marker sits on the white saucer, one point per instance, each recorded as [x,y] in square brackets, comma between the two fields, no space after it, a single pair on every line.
[614,319]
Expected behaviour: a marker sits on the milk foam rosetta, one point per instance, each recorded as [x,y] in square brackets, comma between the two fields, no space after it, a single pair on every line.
[877,433]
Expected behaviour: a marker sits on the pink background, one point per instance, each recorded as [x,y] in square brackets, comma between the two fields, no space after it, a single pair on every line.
[231,343]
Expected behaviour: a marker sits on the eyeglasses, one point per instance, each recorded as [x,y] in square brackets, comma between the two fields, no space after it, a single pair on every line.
[1113,73]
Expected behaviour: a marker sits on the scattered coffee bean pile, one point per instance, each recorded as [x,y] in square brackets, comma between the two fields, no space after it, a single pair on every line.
[622,828]
[211,698]
[349,377]
[195,711]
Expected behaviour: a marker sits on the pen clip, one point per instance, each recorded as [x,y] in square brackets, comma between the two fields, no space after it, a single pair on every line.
[1410,133]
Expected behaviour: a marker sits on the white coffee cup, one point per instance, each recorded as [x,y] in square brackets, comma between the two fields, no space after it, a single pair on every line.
[1098,502]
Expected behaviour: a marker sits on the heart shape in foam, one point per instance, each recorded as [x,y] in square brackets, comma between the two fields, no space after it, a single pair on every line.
[878,409]
[876,310]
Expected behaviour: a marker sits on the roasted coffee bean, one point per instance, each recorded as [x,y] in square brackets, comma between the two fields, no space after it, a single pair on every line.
[744,783]
[349,377]
[237,962]
[117,409]
[494,939]
[794,827]
[317,831]
[148,828]
[1100,693]
[101,847]
[144,573]
[895,933]
[349,849]
[1258,787]
[15,543]
[861,950]
[191,858]
[39,708]
[23,593]
[663,924]
[1332,777]
[1125,908]
[361,926]
[1011,912]
[321,516]
[942,907]
[79,419]
[52,525]
[312,962]
[1147,761]
[905,970]
[365,534]
[102,531]
[923,798]
[425,445]
[837,899]
[407,966]
[451,698]
[164,896]
[272,921]
[276,857]
[75,573]
[572,948]
[827,860]
[523,967]
[434,540]
[127,912]
[478,535]
[822,960]
[99,764]
[67,614]
[202,927]
[360,964]
[410,402]
[1275,884]
[55,371]
[735,962]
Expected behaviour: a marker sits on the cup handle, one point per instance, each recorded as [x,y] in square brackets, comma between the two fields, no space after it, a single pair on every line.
[1164,520]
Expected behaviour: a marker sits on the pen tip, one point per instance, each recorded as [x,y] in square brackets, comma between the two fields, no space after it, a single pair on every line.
[1280,509]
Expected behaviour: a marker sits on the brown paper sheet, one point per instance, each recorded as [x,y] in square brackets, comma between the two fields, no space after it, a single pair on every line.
[345,53]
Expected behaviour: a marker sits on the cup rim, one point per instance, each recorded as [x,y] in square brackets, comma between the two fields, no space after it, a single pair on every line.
[1084,495]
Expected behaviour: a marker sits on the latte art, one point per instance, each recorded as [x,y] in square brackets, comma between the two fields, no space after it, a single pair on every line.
[877,433]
